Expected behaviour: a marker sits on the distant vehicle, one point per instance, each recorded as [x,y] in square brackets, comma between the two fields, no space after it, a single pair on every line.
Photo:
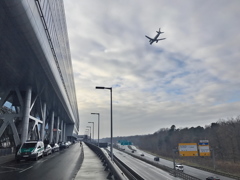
[142,154]
[132,151]
[62,145]
[155,39]
[55,147]
[47,150]
[213,178]
[179,167]
[156,158]
[68,143]
[30,150]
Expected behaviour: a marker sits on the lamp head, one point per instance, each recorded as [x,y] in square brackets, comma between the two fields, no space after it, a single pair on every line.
[100,87]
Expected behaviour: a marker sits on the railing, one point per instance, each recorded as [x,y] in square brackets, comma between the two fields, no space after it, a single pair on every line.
[6,151]
[131,174]
[218,172]
[109,165]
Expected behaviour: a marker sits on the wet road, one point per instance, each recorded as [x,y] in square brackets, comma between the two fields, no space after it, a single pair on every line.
[61,165]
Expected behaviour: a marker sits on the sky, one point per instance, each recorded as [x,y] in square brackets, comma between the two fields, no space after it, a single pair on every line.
[189,79]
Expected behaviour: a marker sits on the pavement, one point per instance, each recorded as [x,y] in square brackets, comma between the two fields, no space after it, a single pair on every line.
[91,168]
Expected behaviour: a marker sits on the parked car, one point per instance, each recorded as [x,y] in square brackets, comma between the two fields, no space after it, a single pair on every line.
[30,150]
[55,147]
[142,154]
[68,143]
[213,178]
[62,145]
[47,150]
[179,167]
[156,158]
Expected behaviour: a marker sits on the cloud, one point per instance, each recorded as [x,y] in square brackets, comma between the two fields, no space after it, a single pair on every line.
[189,79]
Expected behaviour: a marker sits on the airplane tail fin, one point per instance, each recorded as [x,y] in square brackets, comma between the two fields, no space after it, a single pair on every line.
[159,31]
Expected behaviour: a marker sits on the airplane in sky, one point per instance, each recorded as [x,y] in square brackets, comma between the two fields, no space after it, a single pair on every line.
[155,39]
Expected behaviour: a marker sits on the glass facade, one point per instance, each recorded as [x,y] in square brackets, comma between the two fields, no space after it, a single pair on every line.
[54,21]
[34,50]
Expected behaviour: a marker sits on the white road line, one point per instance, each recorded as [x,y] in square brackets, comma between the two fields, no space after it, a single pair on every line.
[25,169]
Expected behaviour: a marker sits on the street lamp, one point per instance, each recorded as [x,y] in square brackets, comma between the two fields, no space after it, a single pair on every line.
[98,124]
[93,129]
[110,88]
[90,132]
[86,132]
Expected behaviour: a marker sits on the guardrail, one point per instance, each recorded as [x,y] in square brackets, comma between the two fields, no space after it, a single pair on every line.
[6,151]
[131,174]
[109,165]
[217,172]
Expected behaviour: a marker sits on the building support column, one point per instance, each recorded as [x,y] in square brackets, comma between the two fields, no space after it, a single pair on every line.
[43,121]
[26,115]
[57,136]
[61,137]
[64,132]
[51,128]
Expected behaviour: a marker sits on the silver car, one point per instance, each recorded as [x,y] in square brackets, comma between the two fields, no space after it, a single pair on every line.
[47,150]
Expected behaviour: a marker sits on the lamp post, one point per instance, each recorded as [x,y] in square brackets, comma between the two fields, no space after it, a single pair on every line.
[110,88]
[174,163]
[93,130]
[90,133]
[86,131]
[98,124]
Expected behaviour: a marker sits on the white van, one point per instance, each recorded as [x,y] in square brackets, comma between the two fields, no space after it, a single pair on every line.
[30,150]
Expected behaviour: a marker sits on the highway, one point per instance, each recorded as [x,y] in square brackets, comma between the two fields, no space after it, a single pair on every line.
[61,165]
[145,170]
[187,169]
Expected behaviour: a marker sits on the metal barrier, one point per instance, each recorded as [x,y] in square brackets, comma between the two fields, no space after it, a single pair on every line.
[6,151]
[218,172]
[109,165]
[127,170]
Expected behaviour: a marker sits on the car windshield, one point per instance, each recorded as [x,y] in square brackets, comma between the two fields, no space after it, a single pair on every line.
[29,145]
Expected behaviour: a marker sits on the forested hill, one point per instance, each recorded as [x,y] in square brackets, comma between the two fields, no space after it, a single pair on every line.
[223,136]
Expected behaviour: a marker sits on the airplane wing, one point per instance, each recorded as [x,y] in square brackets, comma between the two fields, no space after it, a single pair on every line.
[148,37]
[161,39]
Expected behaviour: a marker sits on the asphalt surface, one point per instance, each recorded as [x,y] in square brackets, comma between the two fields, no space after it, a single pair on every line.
[187,169]
[62,165]
[146,171]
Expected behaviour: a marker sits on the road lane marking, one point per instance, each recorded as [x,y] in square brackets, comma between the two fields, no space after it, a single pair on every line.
[25,169]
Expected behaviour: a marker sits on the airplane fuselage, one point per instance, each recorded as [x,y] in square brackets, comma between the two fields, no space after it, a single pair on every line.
[155,39]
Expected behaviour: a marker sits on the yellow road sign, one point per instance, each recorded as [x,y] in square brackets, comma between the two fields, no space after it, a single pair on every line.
[188,149]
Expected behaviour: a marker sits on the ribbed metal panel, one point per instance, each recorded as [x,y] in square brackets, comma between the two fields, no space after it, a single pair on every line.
[31,50]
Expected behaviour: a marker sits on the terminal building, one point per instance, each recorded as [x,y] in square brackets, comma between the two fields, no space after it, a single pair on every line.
[37,91]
